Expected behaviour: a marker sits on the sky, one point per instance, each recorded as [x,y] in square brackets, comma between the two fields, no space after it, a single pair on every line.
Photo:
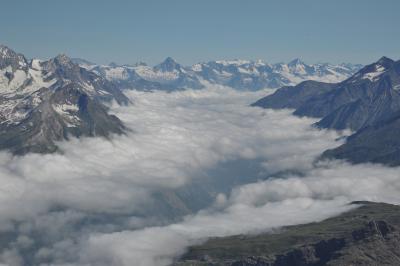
[192,31]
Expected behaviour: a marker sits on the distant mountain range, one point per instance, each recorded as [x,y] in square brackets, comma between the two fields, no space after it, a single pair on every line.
[42,102]
[239,74]
[368,102]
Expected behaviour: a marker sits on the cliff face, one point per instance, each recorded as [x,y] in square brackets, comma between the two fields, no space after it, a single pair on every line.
[368,235]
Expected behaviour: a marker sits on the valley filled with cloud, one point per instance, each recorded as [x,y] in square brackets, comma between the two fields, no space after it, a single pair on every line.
[131,198]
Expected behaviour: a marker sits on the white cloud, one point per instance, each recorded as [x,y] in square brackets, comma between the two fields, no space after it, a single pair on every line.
[325,191]
[93,198]
[175,136]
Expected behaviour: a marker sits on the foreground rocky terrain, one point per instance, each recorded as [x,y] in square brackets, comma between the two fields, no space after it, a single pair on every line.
[366,235]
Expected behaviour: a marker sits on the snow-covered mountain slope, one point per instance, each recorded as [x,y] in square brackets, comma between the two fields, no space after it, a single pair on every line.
[241,74]
[169,75]
[238,74]
[46,101]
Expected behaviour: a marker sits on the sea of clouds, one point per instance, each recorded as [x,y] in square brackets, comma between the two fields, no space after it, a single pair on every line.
[95,203]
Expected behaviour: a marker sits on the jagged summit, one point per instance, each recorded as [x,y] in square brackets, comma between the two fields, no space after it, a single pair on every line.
[9,57]
[168,65]
[63,60]
[295,62]
[5,51]
[47,101]
[373,72]
[385,61]
[61,65]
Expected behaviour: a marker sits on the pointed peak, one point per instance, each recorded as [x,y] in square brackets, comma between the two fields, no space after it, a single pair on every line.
[373,71]
[62,56]
[169,60]
[10,57]
[60,61]
[168,65]
[385,61]
[63,59]
[5,50]
[295,62]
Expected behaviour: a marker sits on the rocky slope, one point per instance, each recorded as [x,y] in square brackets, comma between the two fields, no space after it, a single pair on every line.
[367,235]
[46,101]
[379,143]
[369,96]
[368,103]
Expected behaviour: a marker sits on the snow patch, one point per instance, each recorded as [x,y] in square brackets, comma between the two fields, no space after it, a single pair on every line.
[373,76]
[148,73]
[67,111]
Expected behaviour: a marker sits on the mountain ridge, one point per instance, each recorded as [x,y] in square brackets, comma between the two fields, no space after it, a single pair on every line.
[238,74]
[367,102]
[42,102]
[367,235]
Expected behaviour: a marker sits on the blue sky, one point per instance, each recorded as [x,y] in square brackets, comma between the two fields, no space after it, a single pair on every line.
[190,31]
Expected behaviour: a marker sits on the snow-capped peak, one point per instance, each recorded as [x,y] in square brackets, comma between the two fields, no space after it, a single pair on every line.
[63,59]
[168,65]
[373,71]
[10,58]
[385,62]
[237,73]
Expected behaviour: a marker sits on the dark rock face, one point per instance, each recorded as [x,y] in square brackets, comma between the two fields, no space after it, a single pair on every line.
[10,58]
[379,143]
[317,254]
[296,97]
[368,235]
[168,65]
[49,101]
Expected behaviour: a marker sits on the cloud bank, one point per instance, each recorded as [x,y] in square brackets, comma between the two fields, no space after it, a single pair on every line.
[262,206]
[95,204]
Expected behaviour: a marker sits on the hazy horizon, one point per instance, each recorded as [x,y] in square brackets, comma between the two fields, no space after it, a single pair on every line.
[127,32]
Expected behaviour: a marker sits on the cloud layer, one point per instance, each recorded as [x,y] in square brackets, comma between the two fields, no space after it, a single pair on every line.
[97,199]
[323,192]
